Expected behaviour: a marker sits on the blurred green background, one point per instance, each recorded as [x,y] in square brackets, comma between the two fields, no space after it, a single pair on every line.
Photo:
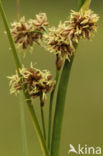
[83,119]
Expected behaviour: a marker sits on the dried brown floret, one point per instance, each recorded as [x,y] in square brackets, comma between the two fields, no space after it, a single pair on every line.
[36,82]
[81,24]
[27,33]
[59,43]
[40,21]
[63,39]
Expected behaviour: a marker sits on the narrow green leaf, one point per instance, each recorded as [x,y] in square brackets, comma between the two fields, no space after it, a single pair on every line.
[85,4]
[21,102]
[43,122]
[60,103]
[23,128]
[51,110]
[41,139]
[26,96]
[15,56]
[80,3]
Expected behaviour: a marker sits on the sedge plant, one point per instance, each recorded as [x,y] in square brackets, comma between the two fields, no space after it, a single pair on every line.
[61,40]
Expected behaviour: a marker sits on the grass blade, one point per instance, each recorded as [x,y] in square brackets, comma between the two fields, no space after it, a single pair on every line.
[51,111]
[43,122]
[15,56]
[60,103]
[23,128]
[41,139]
[26,96]
[22,112]
[84,4]
[80,4]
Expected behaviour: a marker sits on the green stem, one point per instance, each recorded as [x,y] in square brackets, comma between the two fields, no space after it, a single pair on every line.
[23,128]
[80,4]
[60,104]
[22,112]
[44,148]
[23,125]
[27,98]
[84,4]
[15,56]
[51,111]
[43,122]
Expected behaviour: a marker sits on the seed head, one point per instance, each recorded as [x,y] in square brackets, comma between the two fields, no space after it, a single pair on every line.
[27,33]
[59,44]
[40,21]
[81,25]
[36,82]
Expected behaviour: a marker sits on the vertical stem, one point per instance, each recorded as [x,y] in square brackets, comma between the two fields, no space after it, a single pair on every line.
[15,56]
[84,4]
[23,127]
[80,3]
[51,110]
[42,142]
[21,101]
[60,105]
[43,122]
[27,98]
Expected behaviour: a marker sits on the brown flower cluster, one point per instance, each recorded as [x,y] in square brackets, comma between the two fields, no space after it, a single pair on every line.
[27,33]
[81,25]
[36,82]
[40,21]
[59,43]
[63,39]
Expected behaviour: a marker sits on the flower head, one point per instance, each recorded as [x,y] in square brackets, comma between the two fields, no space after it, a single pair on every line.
[40,21]
[27,33]
[81,24]
[59,43]
[36,82]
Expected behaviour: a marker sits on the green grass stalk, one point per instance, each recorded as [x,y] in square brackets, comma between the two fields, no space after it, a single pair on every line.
[15,56]
[80,3]
[42,142]
[60,103]
[21,101]
[43,121]
[51,110]
[84,4]
[23,127]
[27,98]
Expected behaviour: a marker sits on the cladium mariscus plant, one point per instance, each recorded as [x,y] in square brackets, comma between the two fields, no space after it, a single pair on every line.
[61,40]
